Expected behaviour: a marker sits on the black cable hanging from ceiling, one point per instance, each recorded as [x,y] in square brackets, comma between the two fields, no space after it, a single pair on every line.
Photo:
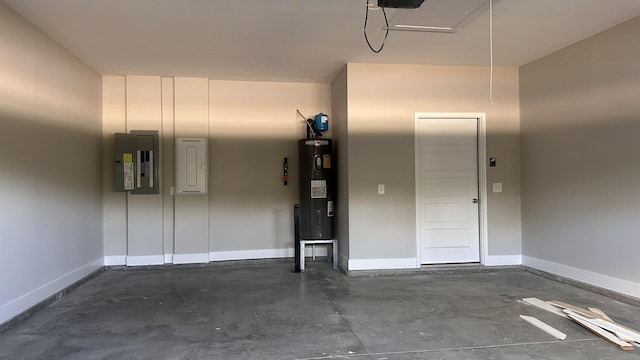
[366,19]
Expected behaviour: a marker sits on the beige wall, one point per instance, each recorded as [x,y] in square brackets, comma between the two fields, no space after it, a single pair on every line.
[50,166]
[251,127]
[382,100]
[580,167]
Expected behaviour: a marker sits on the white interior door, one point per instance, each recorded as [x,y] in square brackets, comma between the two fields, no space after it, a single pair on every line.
[447,190]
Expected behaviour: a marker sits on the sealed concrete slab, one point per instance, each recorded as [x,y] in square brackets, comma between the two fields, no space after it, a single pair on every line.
[264,311]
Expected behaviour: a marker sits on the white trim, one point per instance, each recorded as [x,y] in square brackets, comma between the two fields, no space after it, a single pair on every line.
[482,176]
[145,260]
[382,264]
[502,260]
[250,254]
[168,258]
[190,258]
[600,280]
[15,306]
[115,260]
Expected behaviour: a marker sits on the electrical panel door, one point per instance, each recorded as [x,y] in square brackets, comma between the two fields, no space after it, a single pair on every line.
[191,166]
[137,158]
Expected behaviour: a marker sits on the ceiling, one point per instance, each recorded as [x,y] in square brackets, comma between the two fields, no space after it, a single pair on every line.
[301,40]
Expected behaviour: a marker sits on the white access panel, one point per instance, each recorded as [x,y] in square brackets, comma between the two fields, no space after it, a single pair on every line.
[191,166]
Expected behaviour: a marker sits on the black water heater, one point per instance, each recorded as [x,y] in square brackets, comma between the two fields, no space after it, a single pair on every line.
[317,189]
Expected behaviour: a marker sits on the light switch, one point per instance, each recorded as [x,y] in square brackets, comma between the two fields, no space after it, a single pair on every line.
[380,189]
[497,187]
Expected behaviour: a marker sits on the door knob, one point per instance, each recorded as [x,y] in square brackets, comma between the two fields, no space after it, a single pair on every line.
[475,201]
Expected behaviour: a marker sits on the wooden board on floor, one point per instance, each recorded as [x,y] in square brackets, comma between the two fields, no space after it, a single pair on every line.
[621,333]
[632,333]
[543,305]
[544,327]
[602,333]
[598,311]
[579,310]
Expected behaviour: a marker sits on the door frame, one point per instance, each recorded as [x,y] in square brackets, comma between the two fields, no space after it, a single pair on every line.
[482,175]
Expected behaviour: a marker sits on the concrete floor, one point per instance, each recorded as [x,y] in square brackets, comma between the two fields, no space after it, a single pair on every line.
[263,311]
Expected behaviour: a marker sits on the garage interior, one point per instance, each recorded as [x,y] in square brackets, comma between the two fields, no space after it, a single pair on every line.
[90,272]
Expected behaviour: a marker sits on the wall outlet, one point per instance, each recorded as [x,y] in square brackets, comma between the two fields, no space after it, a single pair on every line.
[380,189]
[497,187]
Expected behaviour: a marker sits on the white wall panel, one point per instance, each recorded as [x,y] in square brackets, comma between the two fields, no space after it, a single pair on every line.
[144,225]
[168,160]
[114,204]
[191,210]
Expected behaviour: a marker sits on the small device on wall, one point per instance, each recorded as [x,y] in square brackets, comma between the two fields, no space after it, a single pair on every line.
[316,125]
[492,162]
[191,166]
[136,162]
[285,171]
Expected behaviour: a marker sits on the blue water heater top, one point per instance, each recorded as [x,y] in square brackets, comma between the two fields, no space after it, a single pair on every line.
[321,122]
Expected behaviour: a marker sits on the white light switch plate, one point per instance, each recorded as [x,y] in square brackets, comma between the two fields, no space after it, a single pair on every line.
[497,187]
[380,189]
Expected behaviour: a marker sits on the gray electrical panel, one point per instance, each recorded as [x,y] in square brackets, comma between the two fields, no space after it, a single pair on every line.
[137,157]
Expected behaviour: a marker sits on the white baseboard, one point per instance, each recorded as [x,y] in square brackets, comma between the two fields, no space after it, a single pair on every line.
[382,264]
[190,258]
[206,257]
[503,260]
[145,260]
[604,281]
[113,260]
[15,306]
[250,254]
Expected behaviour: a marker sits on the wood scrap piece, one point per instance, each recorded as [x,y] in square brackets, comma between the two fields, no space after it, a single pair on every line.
[621,331]
[634,333]
[579,310]
[543,305]
[602,333]
[629,332]
[598,311]
[622,334]
[544,327]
